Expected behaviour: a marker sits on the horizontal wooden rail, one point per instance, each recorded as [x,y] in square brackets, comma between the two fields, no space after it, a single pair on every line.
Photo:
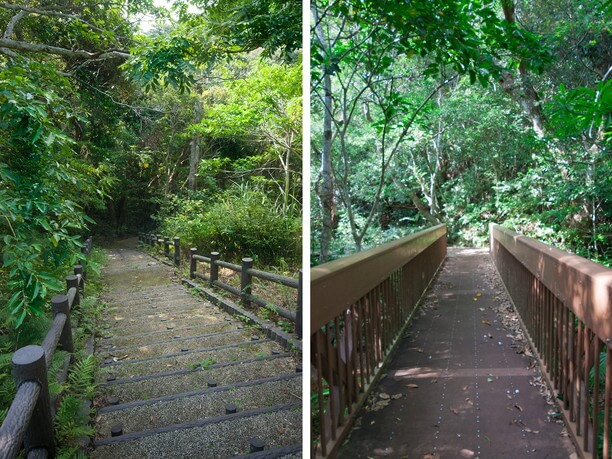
[29,421]
[360,306]
[164,243]
[247,272]
[565,302]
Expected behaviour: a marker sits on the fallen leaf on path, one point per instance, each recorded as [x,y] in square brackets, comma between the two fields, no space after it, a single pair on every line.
[485,322]
[384,396]
[397,396]
[454,411]
[412,386]
[518,407]
[431,456]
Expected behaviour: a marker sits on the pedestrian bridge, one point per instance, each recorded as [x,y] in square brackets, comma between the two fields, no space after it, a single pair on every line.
[423,351]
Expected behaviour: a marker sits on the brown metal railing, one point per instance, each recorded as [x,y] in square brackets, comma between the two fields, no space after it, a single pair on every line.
[360,306]
[565,302]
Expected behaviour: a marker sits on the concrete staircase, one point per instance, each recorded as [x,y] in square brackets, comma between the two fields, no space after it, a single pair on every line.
[182,379]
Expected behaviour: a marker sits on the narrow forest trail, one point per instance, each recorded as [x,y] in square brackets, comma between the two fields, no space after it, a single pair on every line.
[182,379]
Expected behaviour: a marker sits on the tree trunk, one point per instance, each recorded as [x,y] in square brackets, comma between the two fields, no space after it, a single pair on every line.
[194,157]
[523,92]
[423,209]
[325,184]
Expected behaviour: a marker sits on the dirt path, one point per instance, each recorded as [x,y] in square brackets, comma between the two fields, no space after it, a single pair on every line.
[182,379]
[463,383]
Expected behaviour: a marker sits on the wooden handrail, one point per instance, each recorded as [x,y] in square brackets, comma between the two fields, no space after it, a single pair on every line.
[246,271]
[29,419]
[565,303]
[337,284]
[360,307]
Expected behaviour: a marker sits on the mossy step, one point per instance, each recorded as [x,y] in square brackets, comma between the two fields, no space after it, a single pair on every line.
[142,302]
[209,438]
[136,292]
[183,344]
[167,332]
[223,375]
[162,316]
[133,326]
[178,307]
[285,452]
[177,361]
[208,404]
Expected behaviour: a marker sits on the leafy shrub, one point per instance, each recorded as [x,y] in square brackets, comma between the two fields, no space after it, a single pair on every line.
[242,222]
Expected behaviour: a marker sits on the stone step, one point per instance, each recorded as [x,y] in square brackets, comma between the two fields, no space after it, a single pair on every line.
[165,333]
[161,316]
[182,360]
[212,402]
[222,374]
[176,345]
[285,452]
[219,437]
[168,297]
[133,326]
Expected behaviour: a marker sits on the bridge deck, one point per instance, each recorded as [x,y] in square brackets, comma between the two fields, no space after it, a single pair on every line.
[463,382]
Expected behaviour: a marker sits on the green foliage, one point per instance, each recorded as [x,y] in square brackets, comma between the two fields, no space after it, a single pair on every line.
[239,223]
[205,364]
[71,422]
[40,216]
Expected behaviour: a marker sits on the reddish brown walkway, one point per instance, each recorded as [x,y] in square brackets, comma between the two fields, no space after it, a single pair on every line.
[463,382]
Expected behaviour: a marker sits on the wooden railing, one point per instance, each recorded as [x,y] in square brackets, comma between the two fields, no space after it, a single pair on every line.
[246,271]
[29,421]
[360,306]
[565,302]
[164,243]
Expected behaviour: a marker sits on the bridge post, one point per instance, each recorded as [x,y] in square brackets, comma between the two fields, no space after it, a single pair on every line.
[298,312]
[158,240]
[245,281]
[214,267]
[193,263]
[73,281]
[29,365]
[166,246]
[59,305]
[177,251]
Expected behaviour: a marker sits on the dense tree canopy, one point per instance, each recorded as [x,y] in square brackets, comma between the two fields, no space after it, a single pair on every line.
[462,112]
[110,126]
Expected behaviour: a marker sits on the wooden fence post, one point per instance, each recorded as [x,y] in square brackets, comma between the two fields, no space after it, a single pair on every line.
[193,263]
[177,251]
[78,269]
[245,281]
[29,365]
[73,281]
[59,304]
[166,246]
[159,240]
[298,312]
[214,267]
